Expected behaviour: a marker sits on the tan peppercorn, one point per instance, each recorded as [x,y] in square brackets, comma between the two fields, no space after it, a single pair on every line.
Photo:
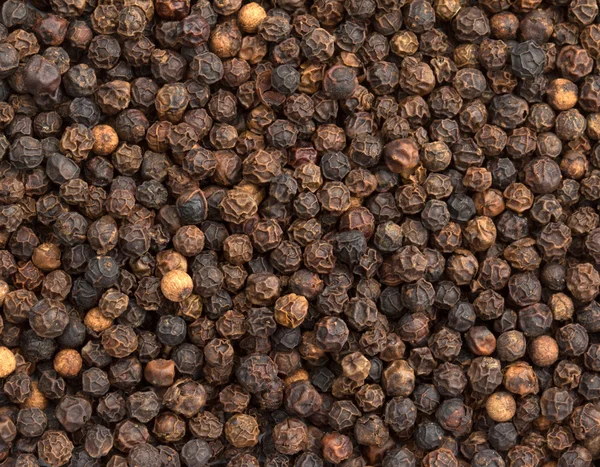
[562,94]
[160,372]
[446,9]
[191,307]
[8,362]
[36,399]
[106,140]
[242,431]
[519,378]
[501,406]
[256,191]
[170,260]
[96,321]
[356,366]
[67,363]
[176,285]
[336,447]
[398,379]
[291,310]
[543,351]
[404,43]
[593,126]
[46,257]
[562,307]
[574,165]
[238,206]
[300,375]
[489,202]
[4,289]
[250,16]
[480,233]
[225,40]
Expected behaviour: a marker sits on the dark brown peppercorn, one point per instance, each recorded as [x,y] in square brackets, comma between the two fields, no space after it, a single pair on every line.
[344,232]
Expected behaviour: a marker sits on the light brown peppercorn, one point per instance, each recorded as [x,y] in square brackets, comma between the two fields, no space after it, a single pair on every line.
[356,366]
[562,94]
[250,16]
[67,363]
[160,372]
[176,285]
[300,375]
[543,351]
[480,233]
[170,260]
[36,399]
[47,257]
[4,289]
[398,379]
[519,378]
[226,39]
[501,407]
[96,321]
[242,431]
[106,140]
[336,447]
[291,310]
[372,215]
[562,307]
[8,362]
[446,9]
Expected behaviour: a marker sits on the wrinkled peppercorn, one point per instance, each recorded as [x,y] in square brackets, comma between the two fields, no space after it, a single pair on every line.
[357,232]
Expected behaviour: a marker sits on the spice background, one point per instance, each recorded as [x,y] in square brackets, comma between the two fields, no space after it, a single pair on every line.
[298,233]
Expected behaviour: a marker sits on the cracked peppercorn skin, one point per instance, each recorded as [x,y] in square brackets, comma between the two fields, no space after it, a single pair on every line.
[341,231]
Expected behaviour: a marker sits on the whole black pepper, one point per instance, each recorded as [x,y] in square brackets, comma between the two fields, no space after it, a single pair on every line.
[357,232]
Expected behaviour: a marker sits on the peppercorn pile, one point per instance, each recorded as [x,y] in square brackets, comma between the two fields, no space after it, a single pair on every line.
[299,233]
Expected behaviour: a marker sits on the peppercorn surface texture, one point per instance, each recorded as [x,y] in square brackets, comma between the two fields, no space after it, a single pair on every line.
[299,233]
